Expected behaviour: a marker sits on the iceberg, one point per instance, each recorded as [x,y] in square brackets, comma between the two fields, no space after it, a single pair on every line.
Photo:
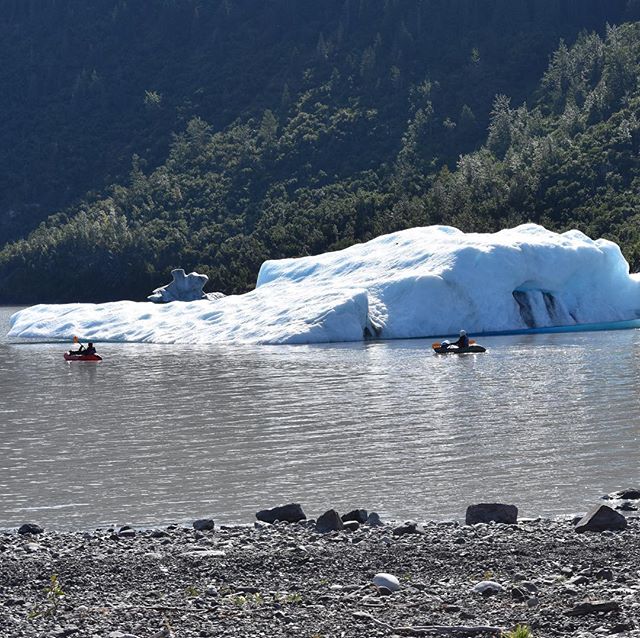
[419,282]
[182,287]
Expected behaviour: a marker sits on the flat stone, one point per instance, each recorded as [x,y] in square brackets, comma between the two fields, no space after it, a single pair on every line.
[330,521]
[291,513]
[158,533]
[579,580]
[628,494]
[491,513]
[352,526]
[601,518]
[386,580]
[203,525]
[30,528]
[585,608]
[408,527]
[488,588]
[356,515]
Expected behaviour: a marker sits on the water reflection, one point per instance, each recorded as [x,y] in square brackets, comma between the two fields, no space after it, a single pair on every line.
[161,433]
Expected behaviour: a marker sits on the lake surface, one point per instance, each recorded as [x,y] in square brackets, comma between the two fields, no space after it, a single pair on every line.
[157,434]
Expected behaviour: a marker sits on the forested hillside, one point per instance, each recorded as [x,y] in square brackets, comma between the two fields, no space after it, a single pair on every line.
[214,135]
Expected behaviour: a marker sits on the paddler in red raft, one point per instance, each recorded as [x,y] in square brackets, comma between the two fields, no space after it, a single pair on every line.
[89,350]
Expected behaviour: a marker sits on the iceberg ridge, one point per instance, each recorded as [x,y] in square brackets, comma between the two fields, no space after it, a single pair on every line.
[413,283]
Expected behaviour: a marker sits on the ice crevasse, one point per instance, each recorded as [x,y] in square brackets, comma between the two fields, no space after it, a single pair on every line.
[413,283]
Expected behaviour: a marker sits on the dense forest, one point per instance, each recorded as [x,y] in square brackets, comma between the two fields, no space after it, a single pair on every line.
[142,136]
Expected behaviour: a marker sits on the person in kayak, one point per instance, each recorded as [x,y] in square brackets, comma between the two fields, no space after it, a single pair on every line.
[84,351]
[89,349]
[463,340]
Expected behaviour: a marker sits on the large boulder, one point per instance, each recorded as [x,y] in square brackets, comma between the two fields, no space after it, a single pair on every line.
[203,525]
[601,518]
[330,521]
[491,513]
[355,515]
[631,494]
[291,513]
[183,288]
[30,528]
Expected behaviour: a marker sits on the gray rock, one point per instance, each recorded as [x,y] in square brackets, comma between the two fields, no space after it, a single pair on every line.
[389,581]
[351,526]
[579,580]
[519,594]
[330,521]
[30,528]
[203,525]
[291,513]
[587,607]
[629,494]
[488,588]
[355,515]
[601,518]
[158,533]
[211,590]
[374,520]
[408,527]
[491,513]
[604,574]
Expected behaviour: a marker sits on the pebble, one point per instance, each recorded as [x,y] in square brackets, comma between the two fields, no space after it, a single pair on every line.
[232,583]
[386,580]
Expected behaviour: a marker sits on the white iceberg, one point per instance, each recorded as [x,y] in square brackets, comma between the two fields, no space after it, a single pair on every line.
[182,287]
[413,283]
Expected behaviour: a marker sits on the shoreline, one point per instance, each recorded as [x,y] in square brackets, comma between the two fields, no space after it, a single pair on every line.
[290,579]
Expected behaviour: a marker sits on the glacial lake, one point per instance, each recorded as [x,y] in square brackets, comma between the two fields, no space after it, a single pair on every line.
[159,434]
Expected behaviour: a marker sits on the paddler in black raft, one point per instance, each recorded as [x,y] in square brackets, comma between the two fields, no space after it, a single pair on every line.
[463,340]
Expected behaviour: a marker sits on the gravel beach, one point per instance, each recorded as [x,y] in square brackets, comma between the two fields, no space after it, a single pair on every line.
[287,579]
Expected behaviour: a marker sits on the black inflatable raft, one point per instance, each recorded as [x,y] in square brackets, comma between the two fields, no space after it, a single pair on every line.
[448,349]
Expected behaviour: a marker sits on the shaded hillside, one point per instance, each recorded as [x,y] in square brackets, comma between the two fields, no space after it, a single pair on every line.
[357,135]
[88,84]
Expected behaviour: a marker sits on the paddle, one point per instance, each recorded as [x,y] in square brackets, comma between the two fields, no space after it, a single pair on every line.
[437,344]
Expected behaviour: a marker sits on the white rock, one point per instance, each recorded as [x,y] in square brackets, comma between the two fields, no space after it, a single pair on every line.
[488,587]
[386,580]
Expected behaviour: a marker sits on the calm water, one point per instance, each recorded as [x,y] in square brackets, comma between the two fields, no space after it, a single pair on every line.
[156,434]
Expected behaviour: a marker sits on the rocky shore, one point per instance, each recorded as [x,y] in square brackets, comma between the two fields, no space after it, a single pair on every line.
[365,578]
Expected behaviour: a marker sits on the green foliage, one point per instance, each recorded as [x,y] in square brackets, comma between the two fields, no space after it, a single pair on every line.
[53,593]
[250,143]
[521,631]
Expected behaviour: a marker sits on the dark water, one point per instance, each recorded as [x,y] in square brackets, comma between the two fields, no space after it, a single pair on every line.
[155,434]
